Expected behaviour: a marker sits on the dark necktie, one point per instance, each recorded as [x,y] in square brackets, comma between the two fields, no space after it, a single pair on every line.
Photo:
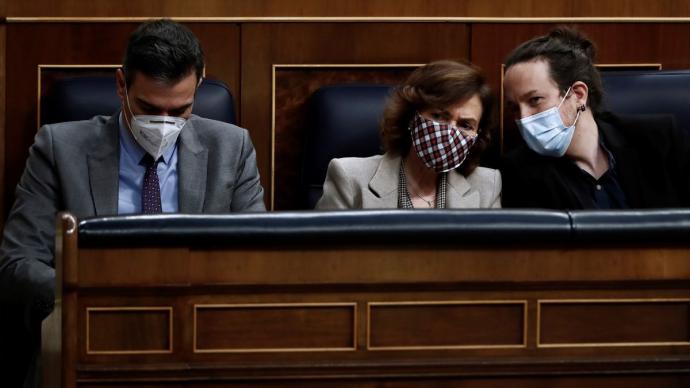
[151,192]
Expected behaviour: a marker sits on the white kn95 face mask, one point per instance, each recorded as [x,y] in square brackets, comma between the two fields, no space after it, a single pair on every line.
[155,133]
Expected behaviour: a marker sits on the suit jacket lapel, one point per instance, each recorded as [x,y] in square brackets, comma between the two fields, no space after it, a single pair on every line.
[460,194]
[628,159]
[103,163]
[384,183]
[384,187]
[192,167]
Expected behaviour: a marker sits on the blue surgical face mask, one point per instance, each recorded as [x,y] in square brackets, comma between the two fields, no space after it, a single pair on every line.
[545,132]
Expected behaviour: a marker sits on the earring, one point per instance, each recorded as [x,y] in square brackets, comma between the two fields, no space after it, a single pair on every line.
[582,108]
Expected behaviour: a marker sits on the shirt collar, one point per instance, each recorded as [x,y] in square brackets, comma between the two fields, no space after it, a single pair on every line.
[609,156]
[602,144]
[134,149]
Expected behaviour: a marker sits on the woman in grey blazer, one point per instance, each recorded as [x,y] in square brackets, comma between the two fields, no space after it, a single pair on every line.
[435,127]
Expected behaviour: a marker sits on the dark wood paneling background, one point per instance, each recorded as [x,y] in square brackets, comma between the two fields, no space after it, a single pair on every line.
[3,80]
[320,8]
[242,53]
[29,45]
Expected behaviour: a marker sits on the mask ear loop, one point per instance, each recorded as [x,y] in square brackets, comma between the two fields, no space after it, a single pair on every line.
[580,109]
[564,97]
[130,110]
[577,116]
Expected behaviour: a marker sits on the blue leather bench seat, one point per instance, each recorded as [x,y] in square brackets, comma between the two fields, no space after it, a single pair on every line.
[450,227]
[80,98]
[649,92]
[631,227]
[494,228]
[344,122]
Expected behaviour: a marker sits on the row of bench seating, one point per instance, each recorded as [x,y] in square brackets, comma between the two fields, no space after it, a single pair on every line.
[460,228]
[344,119]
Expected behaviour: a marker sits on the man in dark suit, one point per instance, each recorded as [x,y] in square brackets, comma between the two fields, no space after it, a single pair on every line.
[576,156]
[152,156]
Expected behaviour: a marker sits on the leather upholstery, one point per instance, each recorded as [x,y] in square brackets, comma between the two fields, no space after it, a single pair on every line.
[344,121]
[80,98]
[310,228]
[670,226]
[649,92]
[476,227]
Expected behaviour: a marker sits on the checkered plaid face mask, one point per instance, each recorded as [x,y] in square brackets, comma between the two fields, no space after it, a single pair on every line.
[442,147]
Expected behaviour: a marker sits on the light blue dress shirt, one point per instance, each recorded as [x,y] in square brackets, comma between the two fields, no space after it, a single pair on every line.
[132,175]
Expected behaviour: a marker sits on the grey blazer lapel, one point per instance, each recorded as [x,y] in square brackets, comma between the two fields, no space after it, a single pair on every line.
[460,193]
[103,161]
[384,184]
[192,167]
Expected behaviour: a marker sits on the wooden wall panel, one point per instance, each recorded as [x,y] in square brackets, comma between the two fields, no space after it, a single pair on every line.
[614,322]
[31,44]
[297,359]
[47,44]
[264,45]
[300,8]
[255,328]
[668,8]
[149,264]
[134,327]
[446,325]
[122,330]
[316,8]
[628,381]
[3,87]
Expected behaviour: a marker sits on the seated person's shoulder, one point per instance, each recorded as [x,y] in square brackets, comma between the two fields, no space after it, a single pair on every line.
[214,129]
[75,133]
[484,174]
[355,165]
[344,179]
[354,169]
[522,157]
[488,181]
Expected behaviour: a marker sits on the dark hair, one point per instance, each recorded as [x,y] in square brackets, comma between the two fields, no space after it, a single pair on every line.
[570,56]
[164,50]
[437,85]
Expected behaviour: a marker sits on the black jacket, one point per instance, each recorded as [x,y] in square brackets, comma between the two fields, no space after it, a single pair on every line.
[652,165]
